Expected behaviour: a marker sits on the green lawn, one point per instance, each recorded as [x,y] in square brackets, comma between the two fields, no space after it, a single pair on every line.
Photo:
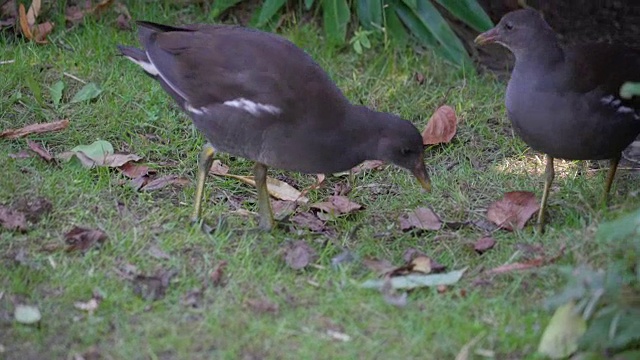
[484,161]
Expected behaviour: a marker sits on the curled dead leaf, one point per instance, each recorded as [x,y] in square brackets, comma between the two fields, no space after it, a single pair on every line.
[34,129]
[13,220]
[262,305]
[164,181]
[484,244]
[299,255]
[309,221]
[133,171]
[441,128]
[82,239]
[337,205]
[368,165]
[38,149]
[421,219]
[514,210]
[218,168]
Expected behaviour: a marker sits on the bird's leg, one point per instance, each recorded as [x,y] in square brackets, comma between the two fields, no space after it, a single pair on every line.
[264,204]
[549,175]
[204,164]
[613,166]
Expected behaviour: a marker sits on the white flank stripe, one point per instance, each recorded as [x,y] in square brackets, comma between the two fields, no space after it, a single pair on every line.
[252,107]
[146,66]
[193,110]
[617,105]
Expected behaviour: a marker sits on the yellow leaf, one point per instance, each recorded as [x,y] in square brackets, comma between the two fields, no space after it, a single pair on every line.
[276,188]
[34,11]
[560,338]
[24,24]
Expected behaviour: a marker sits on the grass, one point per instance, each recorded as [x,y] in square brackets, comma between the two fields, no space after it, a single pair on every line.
[483,162]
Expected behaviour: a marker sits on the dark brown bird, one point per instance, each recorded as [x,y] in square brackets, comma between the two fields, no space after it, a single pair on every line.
[565,101]
[256,95]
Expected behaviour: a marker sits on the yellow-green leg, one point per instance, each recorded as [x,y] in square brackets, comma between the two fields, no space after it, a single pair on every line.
[204,164]
[549,175]
[264,204]
[611,174]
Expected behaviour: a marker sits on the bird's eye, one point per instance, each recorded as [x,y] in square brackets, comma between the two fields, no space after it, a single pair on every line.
[405,151]
[508,26]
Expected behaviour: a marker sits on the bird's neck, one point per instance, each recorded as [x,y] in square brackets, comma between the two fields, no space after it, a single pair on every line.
[362,117]
[542,56]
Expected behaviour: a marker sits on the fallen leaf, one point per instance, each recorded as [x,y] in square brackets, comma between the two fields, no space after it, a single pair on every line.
[24,22]
[368,165]
[154,287]
[12,220]
[82,239]
[484,244]
[118,160]
[34,11]
[217,275]
[465,352]
[392,297]
[561,336]
[519,266]
[102,6]
[87,92]
[90,155]
[123,22]
[514,210]
[276,188]
[346,256]
[421,264]
[35,129]
[410,254]
[164,181]
[157,253]
[55,91]
[89,306]
[308,221]
[299,255]
[134,171]
[38,149]
[27,314]
[74,14]
[337,205]
[441,128]
[420,218]
[418,264]
[419,77]
[41,31]
[379,266]
[34,208]
[283,209]
[413,281]
[262,305]
[218,168]
[337,335]
[22,154]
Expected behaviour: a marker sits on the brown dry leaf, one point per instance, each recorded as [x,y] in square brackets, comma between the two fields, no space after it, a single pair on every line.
[419,77]
[484,244]
[34,11]
[33,209]
[34,129]
[192,298]
[217,275]
[22,154]
[38,149]
[164,181]
[101,6]
[381,267]
[283,209]
[153,287]
[24,23]
[530,264]
[218,168]
[308,221]
[276,188]
[41,31]
[262,305]
[419,264]
[441,128]
[134,171]
[513,210]
[117,160]
[411,253]
[299,255]
[123,22]
[82,239]
[421,219]
[368,165]
[12,220]
[74,14]
[337,205]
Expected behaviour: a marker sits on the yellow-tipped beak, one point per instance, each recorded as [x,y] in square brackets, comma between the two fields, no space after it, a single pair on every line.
[487,37]
[420,172]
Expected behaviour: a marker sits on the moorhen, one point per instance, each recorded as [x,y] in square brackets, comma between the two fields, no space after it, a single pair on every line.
[565,101]
[256,95]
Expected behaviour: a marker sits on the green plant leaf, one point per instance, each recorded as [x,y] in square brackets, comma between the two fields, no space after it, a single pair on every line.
[27,314]
[430,28]
[629,90]
[470,12]
[560,338]
[393,27]
[56,92]
[88,92]
[336,16]
[370,14]
[268,10]
[219,6]
[308,4]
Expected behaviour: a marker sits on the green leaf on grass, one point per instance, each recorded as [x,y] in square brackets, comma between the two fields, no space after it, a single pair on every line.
[88,92]
[470,12]
[27,314]
[268,10]
[56,92]
[336,16]
[412,281]
[560,338]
